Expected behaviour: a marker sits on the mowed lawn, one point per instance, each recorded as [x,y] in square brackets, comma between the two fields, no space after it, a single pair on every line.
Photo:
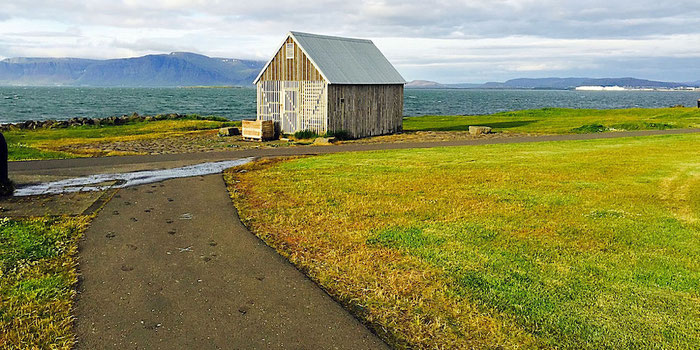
[564,120]
[37,281]
[573,245]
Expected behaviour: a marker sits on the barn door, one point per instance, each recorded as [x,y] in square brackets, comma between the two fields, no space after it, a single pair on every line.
[290,98]
[312,102]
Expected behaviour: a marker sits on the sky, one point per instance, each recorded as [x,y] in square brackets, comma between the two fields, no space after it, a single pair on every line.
[445,41]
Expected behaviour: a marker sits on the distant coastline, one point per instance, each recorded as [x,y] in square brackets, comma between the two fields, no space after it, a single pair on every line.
[623,88]
[584,84]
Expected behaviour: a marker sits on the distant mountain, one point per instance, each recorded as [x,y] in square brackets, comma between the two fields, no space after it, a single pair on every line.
[175,69]
[556,83]
[428,84]
[424,84]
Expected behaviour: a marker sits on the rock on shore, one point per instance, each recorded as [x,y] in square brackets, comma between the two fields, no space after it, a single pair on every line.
[115,120]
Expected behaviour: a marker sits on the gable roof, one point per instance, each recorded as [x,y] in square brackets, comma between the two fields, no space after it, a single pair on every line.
[345,60]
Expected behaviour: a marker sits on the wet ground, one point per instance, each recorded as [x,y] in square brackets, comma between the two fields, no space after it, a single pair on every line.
[102,182]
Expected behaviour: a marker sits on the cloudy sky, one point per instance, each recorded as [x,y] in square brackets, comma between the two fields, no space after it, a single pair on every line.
[446,41]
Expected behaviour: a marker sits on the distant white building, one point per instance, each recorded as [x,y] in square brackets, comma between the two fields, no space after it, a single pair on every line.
[600,88]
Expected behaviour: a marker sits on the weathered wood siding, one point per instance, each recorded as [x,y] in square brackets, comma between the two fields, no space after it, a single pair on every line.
[299,68]
[365,110]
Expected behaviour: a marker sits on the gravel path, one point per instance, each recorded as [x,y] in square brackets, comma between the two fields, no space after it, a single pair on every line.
[170,266]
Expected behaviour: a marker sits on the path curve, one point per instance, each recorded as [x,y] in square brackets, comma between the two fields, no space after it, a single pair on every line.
[170,266]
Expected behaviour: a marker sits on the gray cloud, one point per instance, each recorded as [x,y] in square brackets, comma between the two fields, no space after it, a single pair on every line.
[469,40]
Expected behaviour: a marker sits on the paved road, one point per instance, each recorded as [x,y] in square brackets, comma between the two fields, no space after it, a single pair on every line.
[48,170]
[170,266]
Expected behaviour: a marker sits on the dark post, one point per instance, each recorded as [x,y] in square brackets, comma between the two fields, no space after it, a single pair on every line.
[699,103]
[6,186]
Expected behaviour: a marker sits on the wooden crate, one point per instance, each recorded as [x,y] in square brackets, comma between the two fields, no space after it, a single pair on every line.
[259,130]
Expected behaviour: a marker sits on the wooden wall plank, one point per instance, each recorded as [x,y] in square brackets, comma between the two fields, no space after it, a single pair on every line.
[365,110]
[298,69]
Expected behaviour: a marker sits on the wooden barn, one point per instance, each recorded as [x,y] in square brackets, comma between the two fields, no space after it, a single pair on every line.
[326,83]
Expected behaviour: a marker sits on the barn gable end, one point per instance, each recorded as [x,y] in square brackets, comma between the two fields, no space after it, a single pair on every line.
[281,68]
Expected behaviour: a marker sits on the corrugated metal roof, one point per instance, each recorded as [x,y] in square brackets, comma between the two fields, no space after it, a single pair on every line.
[346,60]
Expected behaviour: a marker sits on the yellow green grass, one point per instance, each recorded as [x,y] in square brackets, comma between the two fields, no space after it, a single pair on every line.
[37,281]
[564,121]
[44,143]
[572,245]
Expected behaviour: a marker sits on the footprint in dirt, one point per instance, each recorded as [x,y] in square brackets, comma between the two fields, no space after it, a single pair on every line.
[131,246]
[110,234]
[245,308]
[168,221]
[127,268]
[172,232]
[116,212]
[150,324]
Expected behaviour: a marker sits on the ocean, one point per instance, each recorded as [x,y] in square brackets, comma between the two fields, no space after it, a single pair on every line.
[39,103]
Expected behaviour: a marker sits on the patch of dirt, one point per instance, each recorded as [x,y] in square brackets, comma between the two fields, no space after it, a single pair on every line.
[78,203]
[434,136]
[209,141]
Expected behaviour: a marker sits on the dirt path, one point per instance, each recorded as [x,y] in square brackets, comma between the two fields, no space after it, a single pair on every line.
[170,266]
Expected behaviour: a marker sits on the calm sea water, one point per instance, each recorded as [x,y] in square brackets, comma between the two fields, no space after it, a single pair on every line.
[37,103]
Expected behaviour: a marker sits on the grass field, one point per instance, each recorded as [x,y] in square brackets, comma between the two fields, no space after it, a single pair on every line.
[572,245]
[43,143]
[37,282]
[71,142]
[564,121]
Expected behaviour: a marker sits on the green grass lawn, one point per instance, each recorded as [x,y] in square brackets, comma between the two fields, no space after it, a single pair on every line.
[42,143]
[37,282]
[564,121]
[573,245]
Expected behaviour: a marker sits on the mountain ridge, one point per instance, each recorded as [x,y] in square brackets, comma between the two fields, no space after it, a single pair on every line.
[192,69]
[554,83]
[157,70]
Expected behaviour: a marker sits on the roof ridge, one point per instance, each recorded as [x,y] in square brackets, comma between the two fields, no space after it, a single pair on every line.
[330,37]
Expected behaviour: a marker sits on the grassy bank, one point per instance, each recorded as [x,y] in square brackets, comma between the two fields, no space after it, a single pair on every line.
[37,282]
[48,143]
[574,245]
[564,121]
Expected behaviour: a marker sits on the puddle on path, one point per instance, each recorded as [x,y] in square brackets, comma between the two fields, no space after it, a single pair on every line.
[102,182]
